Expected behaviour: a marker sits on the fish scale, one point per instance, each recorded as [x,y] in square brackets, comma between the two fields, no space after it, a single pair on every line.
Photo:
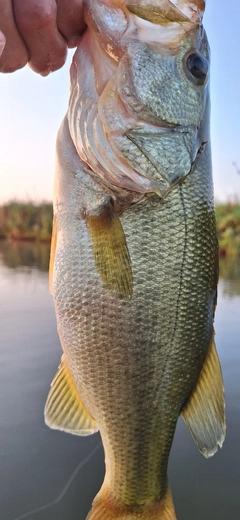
[158,331]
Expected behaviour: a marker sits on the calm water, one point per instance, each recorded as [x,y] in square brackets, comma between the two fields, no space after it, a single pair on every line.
[48,475]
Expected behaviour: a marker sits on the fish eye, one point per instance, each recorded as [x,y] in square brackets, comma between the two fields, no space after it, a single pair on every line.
[197,67]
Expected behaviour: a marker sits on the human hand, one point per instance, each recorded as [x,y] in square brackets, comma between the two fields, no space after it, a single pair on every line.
[38,32]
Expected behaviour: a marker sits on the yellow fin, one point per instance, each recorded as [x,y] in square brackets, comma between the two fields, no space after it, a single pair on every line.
[64,409]
[52,252]
[162,13]
[204,412]
[104,508]
[110,250]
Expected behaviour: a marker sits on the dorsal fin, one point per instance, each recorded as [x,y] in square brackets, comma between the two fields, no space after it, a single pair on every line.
[64,409]
[204,412]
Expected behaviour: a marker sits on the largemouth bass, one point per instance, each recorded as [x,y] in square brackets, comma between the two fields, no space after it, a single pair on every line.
[134,259]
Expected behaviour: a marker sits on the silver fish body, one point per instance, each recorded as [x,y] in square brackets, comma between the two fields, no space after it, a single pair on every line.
[134,270]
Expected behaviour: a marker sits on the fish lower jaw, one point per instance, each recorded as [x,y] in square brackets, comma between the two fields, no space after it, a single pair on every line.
[114,171]
[123,179]
[110,160]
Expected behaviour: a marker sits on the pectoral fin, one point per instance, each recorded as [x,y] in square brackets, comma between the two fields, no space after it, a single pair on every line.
[64,409]
[204,412]
[52,253]
[110,250]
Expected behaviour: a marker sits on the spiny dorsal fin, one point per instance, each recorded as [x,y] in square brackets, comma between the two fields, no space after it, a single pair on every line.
[110,250]
[64,409]
[204,412]
[52,253]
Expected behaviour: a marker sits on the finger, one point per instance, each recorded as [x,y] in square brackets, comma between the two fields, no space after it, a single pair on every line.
[14,52]
[37,23]
[70,20]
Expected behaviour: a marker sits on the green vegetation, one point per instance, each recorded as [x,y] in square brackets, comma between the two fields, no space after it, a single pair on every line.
[228,228]
[28,221]
[229,271]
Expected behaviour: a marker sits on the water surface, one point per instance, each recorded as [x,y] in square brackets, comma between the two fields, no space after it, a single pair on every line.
[48,475]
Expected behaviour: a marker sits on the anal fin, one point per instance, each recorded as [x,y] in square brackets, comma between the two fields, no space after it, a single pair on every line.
[204,412]
[64,409]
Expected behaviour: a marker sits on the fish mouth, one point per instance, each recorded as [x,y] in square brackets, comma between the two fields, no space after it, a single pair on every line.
[167,11]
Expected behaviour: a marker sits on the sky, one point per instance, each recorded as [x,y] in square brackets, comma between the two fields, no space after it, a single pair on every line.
[32,108]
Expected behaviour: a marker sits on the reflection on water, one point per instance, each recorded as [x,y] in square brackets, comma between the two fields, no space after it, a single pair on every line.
[230,273]
[50,475]
[27,254]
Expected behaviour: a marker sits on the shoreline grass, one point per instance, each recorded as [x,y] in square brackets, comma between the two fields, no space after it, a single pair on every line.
[228,229]
[27,221]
